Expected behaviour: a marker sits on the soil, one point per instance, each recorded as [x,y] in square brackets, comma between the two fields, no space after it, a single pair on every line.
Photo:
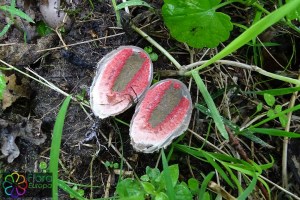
[73,70]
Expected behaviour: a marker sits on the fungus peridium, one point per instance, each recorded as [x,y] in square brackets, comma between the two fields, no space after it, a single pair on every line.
[161,115]
[122,77]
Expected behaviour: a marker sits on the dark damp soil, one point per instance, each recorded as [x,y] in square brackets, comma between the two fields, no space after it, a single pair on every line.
[72,70]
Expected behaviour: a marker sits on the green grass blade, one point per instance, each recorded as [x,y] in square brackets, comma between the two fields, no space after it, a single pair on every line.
[198,153]
[218,168]
[252,32]
[118,16]
[249,189]
[55,146]
[275,116]
[275,132]
[132,3]
[5,29]
[276,92]
[211,105]
[248,134]
[167,176]
[2,85]
[15,11]
[204,185]
[69,190]
[233,178]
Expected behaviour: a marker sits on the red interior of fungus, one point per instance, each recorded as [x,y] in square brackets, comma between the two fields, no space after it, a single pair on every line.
[173,119]
[114,67]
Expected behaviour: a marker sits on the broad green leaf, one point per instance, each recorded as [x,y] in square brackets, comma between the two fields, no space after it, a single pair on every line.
[282,118]
[17,12]
[259,107]
[182,192]
[295,14]
[130,188]
[132,3]
[193,185]
[43,29]
[174,175]
[168,176]
[196,22]
[269,99]
[153,175]
[145,178]
[206,196]
[148,187]
[161,196]
[2,85]
[270,113]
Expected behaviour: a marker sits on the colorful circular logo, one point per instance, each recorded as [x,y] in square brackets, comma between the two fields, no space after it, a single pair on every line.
[15,185]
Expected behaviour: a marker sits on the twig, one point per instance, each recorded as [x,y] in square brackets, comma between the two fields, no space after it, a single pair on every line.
[240,65]
[84,42]
[236,144]
[280,188]
[158,46]
[286,140]
[219,190]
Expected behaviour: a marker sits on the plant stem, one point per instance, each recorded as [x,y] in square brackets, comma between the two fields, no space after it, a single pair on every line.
[158,46]
[226,3]
[286,141]
[241,65]
[117,13]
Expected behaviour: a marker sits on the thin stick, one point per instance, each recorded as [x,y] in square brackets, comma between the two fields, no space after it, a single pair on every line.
[84,42]
[286,141]
[280,188]
[244,66]
[158,46]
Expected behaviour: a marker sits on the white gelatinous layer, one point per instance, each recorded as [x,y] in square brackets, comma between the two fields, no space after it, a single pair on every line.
[104,100]
[145,137]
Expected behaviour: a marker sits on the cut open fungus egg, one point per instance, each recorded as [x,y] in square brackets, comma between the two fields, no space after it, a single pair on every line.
[122,77]
[163,113]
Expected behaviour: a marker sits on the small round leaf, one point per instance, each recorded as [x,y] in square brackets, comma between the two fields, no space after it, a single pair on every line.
[269,99]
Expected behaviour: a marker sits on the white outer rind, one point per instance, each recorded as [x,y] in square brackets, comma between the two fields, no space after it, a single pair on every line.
[98,110]
[150,147]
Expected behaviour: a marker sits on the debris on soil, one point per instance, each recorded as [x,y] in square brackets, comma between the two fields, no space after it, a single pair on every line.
[26,54]
[14,90]
[27,129]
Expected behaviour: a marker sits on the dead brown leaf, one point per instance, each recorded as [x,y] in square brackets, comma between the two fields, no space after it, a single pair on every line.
[14,91]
